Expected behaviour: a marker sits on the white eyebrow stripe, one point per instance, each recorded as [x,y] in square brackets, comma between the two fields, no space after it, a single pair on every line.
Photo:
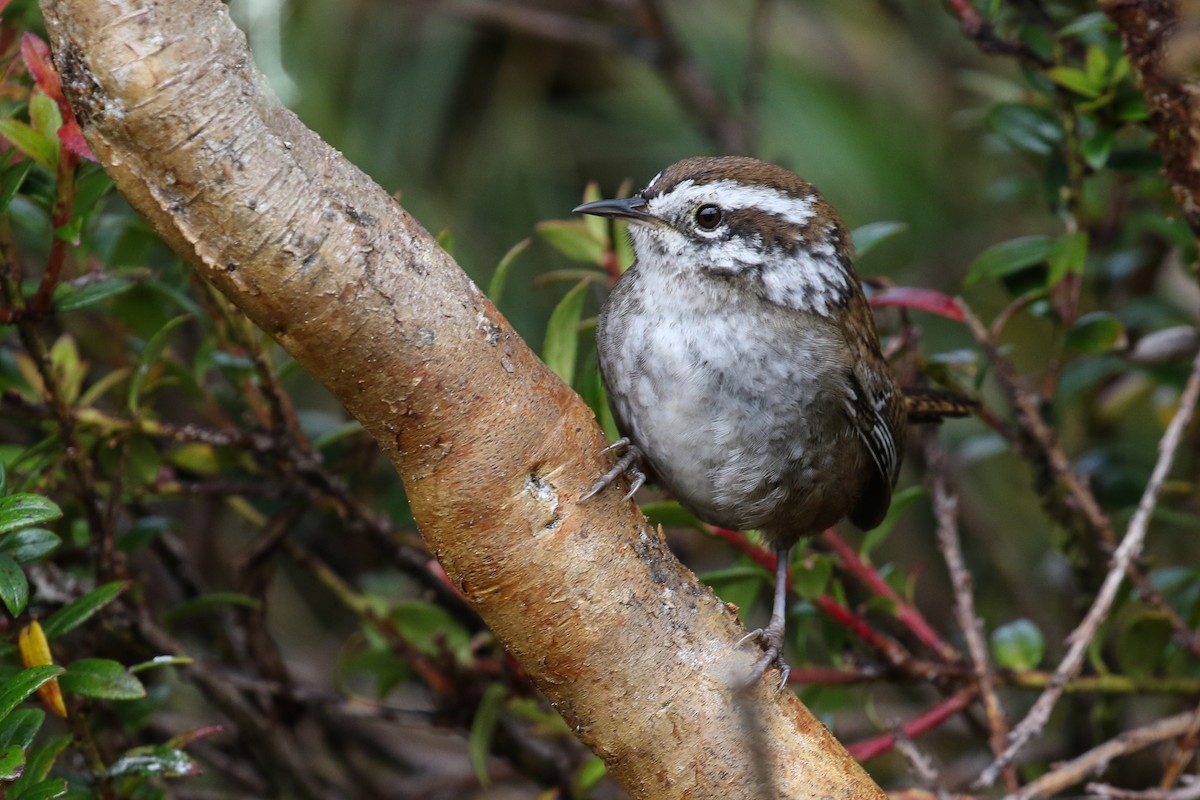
[731,194]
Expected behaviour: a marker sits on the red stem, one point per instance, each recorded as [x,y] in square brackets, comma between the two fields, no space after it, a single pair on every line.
[64,206]
[908,616]
[916,726]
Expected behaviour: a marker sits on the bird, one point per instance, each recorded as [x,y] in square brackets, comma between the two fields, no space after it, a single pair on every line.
[742,363]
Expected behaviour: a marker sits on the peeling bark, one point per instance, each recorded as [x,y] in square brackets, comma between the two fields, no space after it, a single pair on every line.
[633,651]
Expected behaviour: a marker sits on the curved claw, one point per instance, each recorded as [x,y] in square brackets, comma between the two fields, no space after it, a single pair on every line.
[627,464]
[772,644]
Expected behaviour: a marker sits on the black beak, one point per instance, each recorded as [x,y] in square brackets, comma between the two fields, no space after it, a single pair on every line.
[630,208]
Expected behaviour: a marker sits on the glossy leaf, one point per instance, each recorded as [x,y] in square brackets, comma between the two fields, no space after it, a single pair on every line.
[45,790]
[78,611]
[14,586]
[562,333]
[20,511]
[12,762]
[1018,645]
[1097,332]
[101,678]
[19,728]
[1010,256]
[39,760]
[24,683]
[29,544]
[154,762]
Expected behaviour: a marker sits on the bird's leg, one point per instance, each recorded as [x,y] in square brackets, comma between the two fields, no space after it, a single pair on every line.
[627,464]
[771,637]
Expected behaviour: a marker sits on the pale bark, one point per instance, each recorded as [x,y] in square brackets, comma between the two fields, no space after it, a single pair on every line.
[633,651]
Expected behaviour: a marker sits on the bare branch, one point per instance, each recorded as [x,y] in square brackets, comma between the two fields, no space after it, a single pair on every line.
[1123,557]
[1095,760]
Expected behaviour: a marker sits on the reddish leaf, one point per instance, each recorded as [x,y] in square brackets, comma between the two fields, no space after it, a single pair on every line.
[72,139]
[3,5]
[36,55]
[921,300]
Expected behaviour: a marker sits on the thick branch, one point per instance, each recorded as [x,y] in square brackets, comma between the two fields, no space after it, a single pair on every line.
[493,449]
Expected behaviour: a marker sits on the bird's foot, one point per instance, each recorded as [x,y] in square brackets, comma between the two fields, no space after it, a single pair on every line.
[770,639]
[628,464]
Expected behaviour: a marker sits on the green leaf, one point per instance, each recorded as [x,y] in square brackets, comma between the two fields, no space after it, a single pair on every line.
[1096,65]
[1030,130]
[39,760]
[44,115]
[1097,148]
[29,544]
[14,586]
[573,239]
[868,237]
[1095,22]
[14,176]
[45,790]
[562,333]
[101,678]
[149,358]
[810,581]
[1018,645]
[483,728]
[79,611]
[161,661]
[34,145]
[1097,332]
[72,298]
[20,727]
[431,628]
[1068,256]
[154,762]
[12,762]
[20,511]
[23,684]
[1010,256]
[1077,81]
[495,289]
[587,776]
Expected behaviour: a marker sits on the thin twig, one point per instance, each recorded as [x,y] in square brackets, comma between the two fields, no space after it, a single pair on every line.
[1189,791]
[945,504]
[1095,760]
[1126,553]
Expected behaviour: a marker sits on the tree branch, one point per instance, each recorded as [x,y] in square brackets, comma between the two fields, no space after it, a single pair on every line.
[494,450]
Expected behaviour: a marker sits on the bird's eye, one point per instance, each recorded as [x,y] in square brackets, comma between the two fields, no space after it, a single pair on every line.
[708,216]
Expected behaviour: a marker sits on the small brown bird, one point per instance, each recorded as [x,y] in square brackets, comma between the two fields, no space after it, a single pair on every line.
[742,363]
